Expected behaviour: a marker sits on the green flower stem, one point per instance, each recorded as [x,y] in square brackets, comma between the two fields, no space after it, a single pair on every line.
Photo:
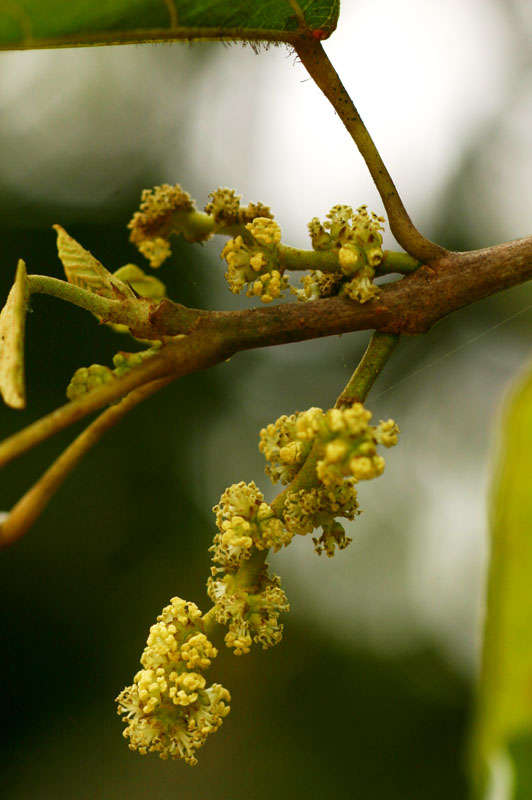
[246,576]
[249,572]
[137,314]
[401,263]
[133,313]
[378,351]
[305,479]
[101,306]
[294,259]
[197,225]
[32,504]
[314,58]
[327,261]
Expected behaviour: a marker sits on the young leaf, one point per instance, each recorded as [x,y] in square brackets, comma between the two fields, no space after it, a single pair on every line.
[502,745]
[55,23]
[85,271]
[144,285]
[12,324]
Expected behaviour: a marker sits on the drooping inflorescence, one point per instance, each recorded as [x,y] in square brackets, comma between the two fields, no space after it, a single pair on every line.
[320,457]
[169,710]
[336,449]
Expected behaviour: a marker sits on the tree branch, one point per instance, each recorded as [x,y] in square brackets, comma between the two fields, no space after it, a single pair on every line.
[411,305]
[315,60]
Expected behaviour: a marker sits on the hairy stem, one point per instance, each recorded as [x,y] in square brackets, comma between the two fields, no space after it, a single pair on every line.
[133,313]
[314,58]
[32,504]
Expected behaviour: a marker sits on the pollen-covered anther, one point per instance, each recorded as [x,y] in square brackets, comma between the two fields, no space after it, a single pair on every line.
[387,433]
[224,206]
[265,231]
[364,469]
[357,241]
[291,453]
[283,446]
[350,259]
[197,652]
[335,451]
[333,537]
[269,286]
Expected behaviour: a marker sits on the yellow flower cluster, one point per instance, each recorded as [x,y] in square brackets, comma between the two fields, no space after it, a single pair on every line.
[163,210]
[86,379]
[245,521]
[224,206]
[251,613]
[357,240]
[350,445]
[168,708]
[245,598]
[345,449]
[252,259]
[319,284]
[283,449]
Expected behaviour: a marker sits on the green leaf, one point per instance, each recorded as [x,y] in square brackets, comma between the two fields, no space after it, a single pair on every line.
[144,285]
[27,24]
[12,325]
[85,271]
[502,742]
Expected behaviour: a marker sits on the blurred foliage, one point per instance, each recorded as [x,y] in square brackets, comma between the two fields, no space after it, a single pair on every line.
[504,716]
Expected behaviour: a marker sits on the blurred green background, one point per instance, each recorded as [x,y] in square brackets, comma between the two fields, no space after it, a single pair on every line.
[369,694]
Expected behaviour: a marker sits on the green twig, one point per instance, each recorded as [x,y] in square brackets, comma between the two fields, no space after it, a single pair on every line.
[394,262]
[294,259]
[378,351]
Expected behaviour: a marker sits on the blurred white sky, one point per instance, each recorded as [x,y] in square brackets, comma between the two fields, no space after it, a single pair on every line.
[426,77]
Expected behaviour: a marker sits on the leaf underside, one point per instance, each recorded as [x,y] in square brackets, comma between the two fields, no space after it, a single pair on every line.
[84,270]
[503,731]
[30,24]
[12,330]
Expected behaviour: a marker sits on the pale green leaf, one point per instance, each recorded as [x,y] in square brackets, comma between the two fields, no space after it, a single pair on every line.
[12,327]
[85,271]
[65,23]
[502,745]
[144,285]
